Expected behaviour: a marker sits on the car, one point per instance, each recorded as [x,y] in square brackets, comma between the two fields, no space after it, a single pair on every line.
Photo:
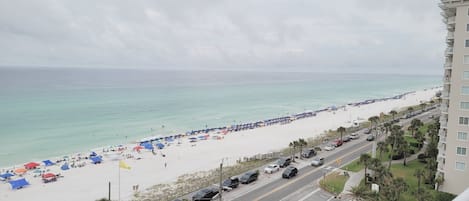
[284,162]
[367,131]
[338,142]
[354,136]
[308,153]
[289,172]
[206,194]
[232,182]
[329,147]
[346,139]
[317,162]
[272,168]
[249,177]
[370,138]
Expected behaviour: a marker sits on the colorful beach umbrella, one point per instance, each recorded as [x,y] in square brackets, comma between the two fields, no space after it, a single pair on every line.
[6,175]
[19,183]
[48,175]
[31,165]
[20,171]
[137,148]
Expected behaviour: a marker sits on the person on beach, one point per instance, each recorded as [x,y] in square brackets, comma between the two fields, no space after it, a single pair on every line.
[165,164]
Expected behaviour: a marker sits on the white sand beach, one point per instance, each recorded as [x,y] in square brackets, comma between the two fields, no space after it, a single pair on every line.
[91,181]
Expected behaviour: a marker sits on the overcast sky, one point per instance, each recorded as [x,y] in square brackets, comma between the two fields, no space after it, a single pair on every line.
[405,36]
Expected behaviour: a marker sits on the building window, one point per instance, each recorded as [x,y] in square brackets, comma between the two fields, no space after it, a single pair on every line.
[460,166]
[466,75]
[465,90]
[466,43]
[465,105]
[466,59]
[464,120]
[462,136]
[461,151]
[467,27]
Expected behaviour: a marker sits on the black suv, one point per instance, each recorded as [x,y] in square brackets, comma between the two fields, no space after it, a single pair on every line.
[231,182]
[308,153]
[289,172]
[249,177]
[284,162]
[205,194]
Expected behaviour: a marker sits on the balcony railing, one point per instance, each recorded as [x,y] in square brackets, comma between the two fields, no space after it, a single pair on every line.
[443,123]
[447,65]
[450,36]
[449,51]
[444,108]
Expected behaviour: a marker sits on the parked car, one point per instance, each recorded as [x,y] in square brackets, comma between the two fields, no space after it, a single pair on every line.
[308,153]
[354,136]
[346,139]
[329,147]
[367,131]
[338,142]
[206,194]
[317,162]
[290,172]
[232,182]
[284,162]
[316,148]
[370,138]
[272,168]
[249,177]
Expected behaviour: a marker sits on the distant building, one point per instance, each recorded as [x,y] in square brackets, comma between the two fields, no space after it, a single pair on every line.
[453,156]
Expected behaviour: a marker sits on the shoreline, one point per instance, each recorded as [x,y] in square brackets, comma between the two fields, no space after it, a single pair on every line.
[246,126]
[151,169]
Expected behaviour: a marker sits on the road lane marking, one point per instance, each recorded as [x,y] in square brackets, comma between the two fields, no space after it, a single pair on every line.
[307,174]
[309,194]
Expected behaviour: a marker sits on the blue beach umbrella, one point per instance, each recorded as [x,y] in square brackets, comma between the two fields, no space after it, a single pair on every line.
[19,183]
[48,163]
[6,175]
[65,167]
[160,145]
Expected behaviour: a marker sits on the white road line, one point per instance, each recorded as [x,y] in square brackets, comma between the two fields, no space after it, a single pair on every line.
[307,196]
[330,198]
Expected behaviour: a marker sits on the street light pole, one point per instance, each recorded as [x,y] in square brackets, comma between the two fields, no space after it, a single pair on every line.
[221,178]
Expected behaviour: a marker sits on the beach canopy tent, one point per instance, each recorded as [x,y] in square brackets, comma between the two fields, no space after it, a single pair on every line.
[192,139]
[6,175]
[137,148]
[96,159]
[49,177]
[65,167]
[48,163]
[160,145]
[31,165]
[20,171]
[147,145]
[19,183]
[93,154]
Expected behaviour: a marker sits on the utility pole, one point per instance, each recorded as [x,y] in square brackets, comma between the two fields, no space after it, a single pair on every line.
[221,179]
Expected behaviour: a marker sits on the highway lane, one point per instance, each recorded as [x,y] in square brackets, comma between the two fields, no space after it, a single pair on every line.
[282,188]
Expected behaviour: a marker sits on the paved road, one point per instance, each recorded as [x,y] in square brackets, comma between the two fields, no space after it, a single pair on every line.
[304,186]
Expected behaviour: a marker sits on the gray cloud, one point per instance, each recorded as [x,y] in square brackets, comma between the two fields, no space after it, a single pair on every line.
[335,35]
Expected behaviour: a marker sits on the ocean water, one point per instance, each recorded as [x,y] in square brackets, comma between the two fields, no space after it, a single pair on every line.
[46,112]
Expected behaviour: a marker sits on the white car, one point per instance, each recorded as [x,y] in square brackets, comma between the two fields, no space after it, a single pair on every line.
[272,168]
[354,136]
[329,147]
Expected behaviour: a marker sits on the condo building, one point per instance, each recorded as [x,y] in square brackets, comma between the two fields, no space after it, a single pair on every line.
[453,163]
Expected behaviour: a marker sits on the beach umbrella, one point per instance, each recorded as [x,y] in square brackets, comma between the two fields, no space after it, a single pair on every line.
[147,145]
[48,175]
[20,171]
[6,175]
[137,148]
[96,159]
[65,167]
[37,171]
[19,183]
[31,165]
[160,145]
[48,163]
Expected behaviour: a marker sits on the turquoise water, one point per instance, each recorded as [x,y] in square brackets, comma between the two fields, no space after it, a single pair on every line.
[52,112]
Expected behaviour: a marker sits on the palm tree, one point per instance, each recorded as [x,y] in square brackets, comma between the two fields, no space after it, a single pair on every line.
[420,138]
[419,173]
[365,159]
[341,130]
[360,192]
[415,124]
[382,147]
[373,121]
[393,113]
[423,106]
[398,186]
[387,127]
[395,139]
[410,110]
[302,143]
[405,149]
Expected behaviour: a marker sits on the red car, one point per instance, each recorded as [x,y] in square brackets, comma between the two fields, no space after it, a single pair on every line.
[338,142]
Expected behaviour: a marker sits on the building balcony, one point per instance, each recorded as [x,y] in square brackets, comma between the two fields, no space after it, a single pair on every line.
[443,123]
[441,167]
[450,20]
[445,95]
[450,36]
[449,51]
[444,108]
[448,65]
